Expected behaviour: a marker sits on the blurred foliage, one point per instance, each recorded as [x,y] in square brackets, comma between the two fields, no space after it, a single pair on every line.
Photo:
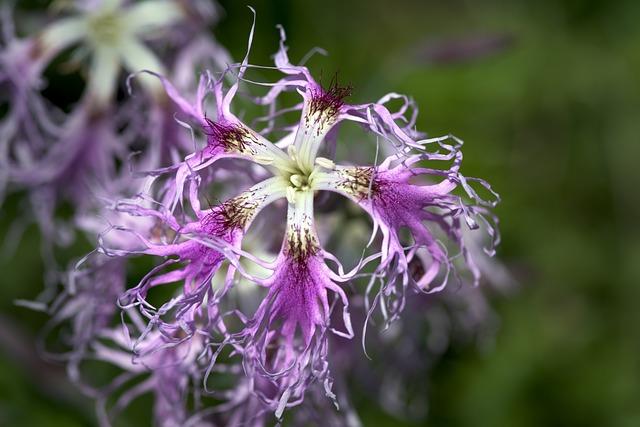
[550,118]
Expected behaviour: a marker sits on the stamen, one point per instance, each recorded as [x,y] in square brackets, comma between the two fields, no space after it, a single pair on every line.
[325,163]
[293,152]
[263,160]
[297,180]
[291,195]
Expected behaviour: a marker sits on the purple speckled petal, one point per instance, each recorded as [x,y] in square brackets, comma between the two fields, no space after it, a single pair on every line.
[285,341]
[394,198]
[197,262]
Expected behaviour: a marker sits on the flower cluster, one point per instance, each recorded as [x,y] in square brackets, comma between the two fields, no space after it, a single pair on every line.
[74,158]
[283,341]
[245,308]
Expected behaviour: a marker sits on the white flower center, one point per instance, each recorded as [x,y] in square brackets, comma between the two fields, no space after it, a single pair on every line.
[106,28]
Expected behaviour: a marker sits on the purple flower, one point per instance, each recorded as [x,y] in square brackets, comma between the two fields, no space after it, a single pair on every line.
[60,157]
[166,369]
[84,309]
[250,328]
[284,341]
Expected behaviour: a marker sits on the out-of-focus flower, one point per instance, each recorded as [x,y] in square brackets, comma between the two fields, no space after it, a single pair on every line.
[164,368]
[283,342]
[403,356]
[466,49]
[84,309]
[60,157]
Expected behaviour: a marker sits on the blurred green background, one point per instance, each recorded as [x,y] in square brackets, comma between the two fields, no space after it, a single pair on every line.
[546,95]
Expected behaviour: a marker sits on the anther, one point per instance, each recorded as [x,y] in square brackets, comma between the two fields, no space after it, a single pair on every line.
[263,160]
[296,180]
[325,163]
[291,195]
[293,152]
